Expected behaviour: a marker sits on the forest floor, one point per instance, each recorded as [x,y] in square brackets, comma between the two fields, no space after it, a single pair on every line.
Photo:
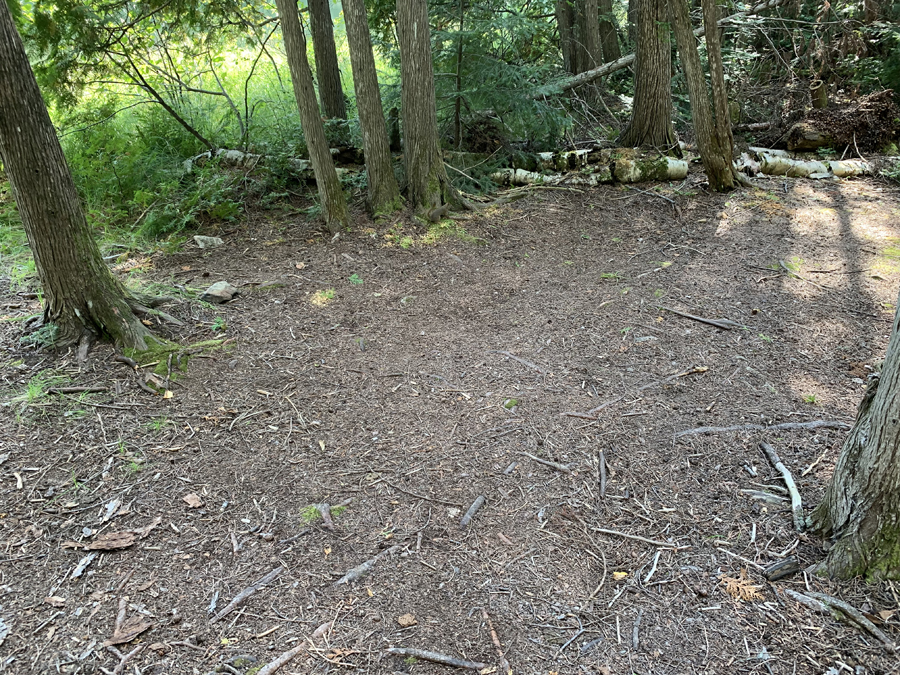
[398,379]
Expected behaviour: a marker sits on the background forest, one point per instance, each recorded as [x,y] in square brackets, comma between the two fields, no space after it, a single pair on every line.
[137,88]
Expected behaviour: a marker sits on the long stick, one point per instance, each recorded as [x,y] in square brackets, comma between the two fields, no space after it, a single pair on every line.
[652,542]
[818,424]
[436,658]
[796,502]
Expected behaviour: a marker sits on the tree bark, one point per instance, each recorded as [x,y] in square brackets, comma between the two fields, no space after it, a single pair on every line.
[428,185]
[712,152]
[587,35]
[331,195]
[383,191]
[328,73]
[81,295]
[860,512]
[651,116]
[565,19]
[609,35]
[724,138]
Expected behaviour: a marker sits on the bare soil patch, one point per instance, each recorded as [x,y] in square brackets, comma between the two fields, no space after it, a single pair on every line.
[404,383]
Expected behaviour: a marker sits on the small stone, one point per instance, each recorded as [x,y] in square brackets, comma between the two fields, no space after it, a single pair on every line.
[219,292]
[243,661]
[207,242]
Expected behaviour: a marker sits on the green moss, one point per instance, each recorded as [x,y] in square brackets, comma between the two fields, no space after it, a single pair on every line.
[158,352]
[310,514]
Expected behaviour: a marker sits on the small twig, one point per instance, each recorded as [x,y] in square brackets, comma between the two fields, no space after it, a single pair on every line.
[792,273]
[546,462]
[272,666]
[652,542]
[724,324]
[652,194]
[427,499]
[741,558]
[76,390]
[796,502]
[505,668]
[786,426]
[365,568]
[652,568]
[634,631]
[246,593]
[436,658]
[524,362]
[123,659]
[602,464]
[812,466]
[466,519]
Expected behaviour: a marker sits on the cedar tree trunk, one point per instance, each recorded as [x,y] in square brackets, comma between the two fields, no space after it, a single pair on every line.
[609,36]
[565,20]
[81,296]
[715,151]
[428,185]
[384,194]
[860,512]
[651,115]
[587,35]
[327,72]
[334,206]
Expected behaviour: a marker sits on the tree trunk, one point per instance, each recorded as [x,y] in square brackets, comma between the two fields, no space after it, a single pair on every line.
[860,512]
[428,185]
[565,20]
[651,116]
[328,73]
[718,168]
[609,36]
[721,113]
[587,35]
[384,193]
[334,206]
[80,293]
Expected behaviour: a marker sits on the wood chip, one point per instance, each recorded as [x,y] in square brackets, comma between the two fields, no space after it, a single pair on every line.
[111,541]
[193,501]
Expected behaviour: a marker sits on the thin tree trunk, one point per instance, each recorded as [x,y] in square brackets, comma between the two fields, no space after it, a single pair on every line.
[428,185]
[328,73]
[651,116]
[80,293]
[565,20]
[861,508]
[609,35]
[721,113]
[457,104]
[717,169]
[384,193]
[334,206]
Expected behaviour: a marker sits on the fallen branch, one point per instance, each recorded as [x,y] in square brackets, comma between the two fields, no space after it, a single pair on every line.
[838,609]
[546,462]
[436,658]
[819,424]
[724,324]
[796,502]
[246,593]
[634,537]
[505,668]
[365,568]
[466,519]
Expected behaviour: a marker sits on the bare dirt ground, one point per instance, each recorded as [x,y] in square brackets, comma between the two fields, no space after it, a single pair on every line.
[404,383]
